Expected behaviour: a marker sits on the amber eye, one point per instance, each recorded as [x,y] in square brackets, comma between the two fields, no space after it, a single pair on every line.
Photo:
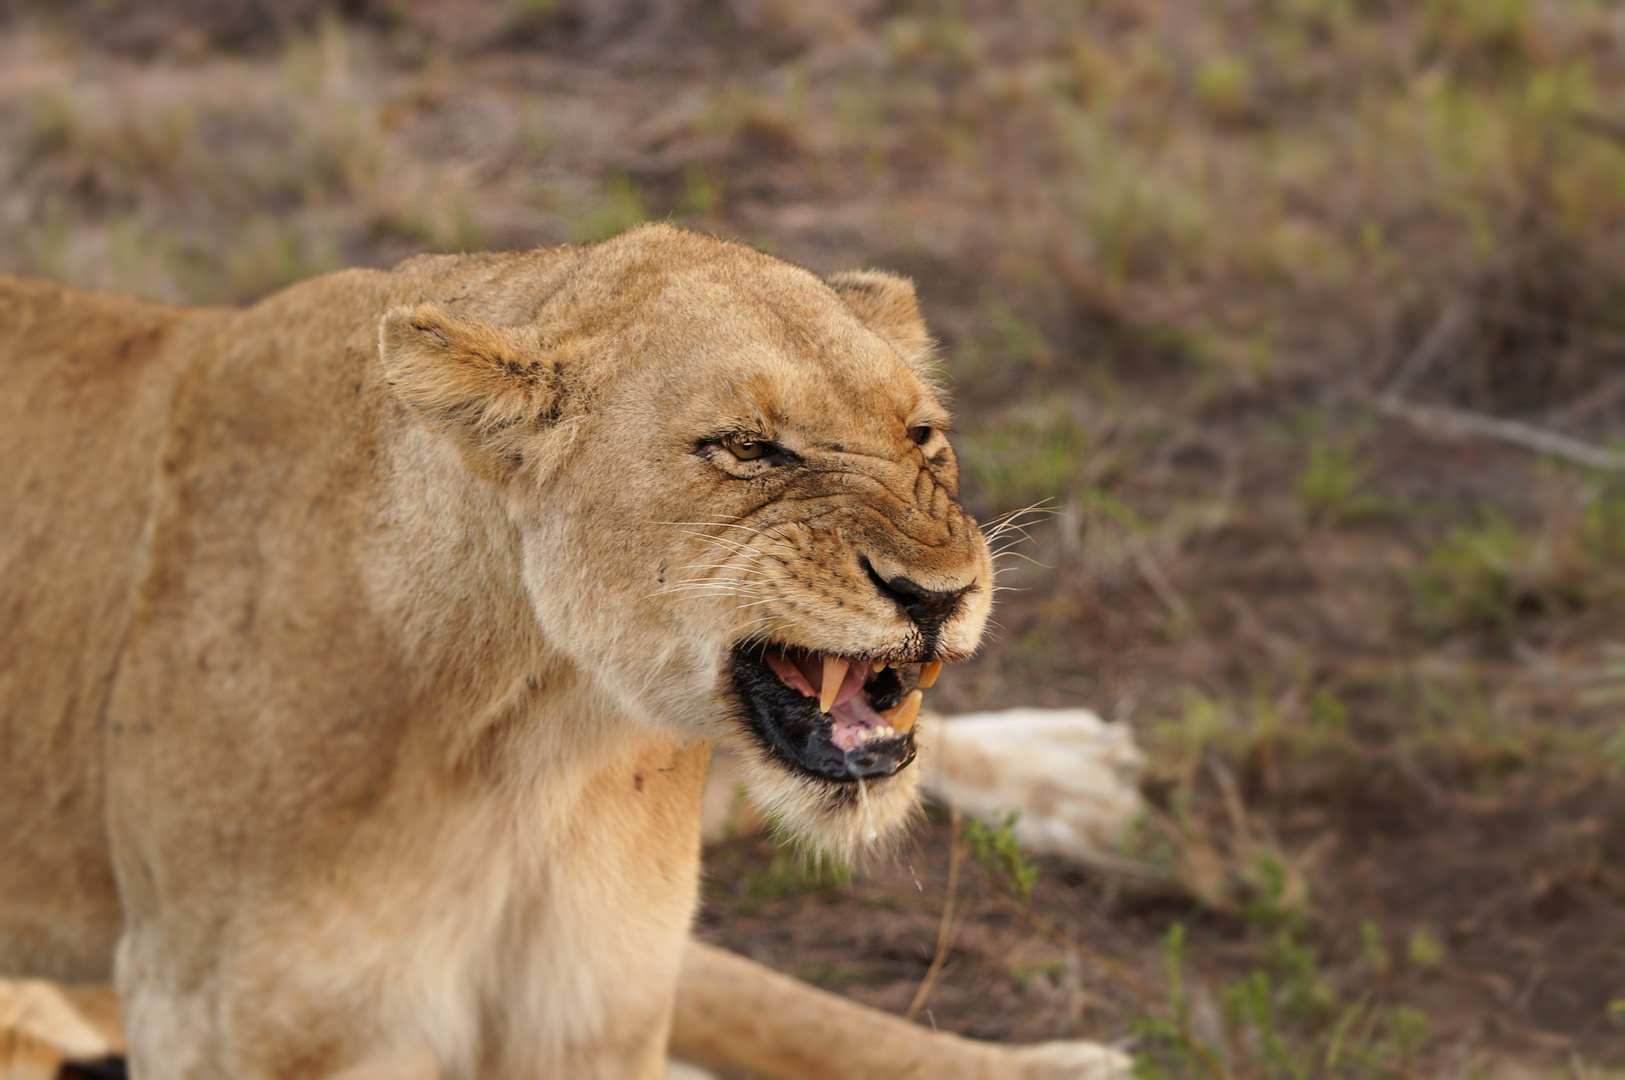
[919,435]
[744,449]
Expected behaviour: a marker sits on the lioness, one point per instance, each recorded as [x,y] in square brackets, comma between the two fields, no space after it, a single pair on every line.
[362,653]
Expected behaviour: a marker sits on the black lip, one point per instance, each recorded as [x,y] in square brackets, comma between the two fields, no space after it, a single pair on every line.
[789,725]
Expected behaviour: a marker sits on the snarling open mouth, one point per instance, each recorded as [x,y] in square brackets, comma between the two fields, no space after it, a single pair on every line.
[837,718]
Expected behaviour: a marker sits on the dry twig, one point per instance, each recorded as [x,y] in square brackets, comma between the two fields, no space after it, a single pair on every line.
[1440,339]
[1164,589]
[1441,421]
[1600,397]
[945,929]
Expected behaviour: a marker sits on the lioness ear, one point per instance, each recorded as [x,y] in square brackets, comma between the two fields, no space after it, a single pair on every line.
[486,386]
[885,303]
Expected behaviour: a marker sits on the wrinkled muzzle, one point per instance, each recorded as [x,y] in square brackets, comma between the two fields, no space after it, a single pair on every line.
[833,690]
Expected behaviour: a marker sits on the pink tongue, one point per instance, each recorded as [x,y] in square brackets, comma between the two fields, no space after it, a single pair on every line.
[851,718]
[851,712]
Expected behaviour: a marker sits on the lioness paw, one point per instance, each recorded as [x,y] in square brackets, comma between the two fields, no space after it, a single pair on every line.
[1073,1060]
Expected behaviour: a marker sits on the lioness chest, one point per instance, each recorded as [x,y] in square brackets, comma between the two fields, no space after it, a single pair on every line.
[519,933]
[565,939]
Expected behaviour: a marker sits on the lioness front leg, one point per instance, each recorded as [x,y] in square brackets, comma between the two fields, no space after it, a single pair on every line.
[734,1016]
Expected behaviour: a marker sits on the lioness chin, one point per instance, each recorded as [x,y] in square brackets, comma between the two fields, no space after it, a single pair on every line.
[363,652]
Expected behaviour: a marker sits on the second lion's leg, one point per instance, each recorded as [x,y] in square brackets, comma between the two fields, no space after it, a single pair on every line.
[734,1015]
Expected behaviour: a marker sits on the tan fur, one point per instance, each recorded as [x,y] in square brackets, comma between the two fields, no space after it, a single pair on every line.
[887,305]
[362,650]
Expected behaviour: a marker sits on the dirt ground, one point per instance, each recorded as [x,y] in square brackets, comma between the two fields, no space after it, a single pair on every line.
[1184,259]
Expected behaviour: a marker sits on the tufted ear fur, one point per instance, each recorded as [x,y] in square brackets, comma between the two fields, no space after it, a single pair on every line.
[885,303]
[487,386]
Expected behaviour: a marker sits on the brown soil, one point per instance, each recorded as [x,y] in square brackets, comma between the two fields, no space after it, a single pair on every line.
[1523,891]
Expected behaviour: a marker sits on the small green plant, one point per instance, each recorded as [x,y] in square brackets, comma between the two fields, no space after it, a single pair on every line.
[1482,33]
[1327,713]
[1331,486]
[1423,949]
[1026,460]
[534,136]
[994,845]
[838,976]
[1372,949]
[620,208]
[700,193]
[1304,994]
[1606,688]
[1602,525]
[1224,88]
[1275,893]
[1613,750]
[1173,1050]
[1025,975]
[794,873]
[1281,1021]
[460,231]
[1008,344]
[1490,578]
[1202,722]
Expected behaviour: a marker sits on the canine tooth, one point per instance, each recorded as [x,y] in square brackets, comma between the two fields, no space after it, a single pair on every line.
[901,716]
[834,675]
[929,673]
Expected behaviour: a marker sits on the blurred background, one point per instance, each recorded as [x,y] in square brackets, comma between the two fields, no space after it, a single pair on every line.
[1300,325]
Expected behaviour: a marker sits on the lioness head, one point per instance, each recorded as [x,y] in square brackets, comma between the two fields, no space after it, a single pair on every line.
[737,501]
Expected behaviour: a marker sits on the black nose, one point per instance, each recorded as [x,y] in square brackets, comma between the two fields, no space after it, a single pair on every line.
[927,608]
